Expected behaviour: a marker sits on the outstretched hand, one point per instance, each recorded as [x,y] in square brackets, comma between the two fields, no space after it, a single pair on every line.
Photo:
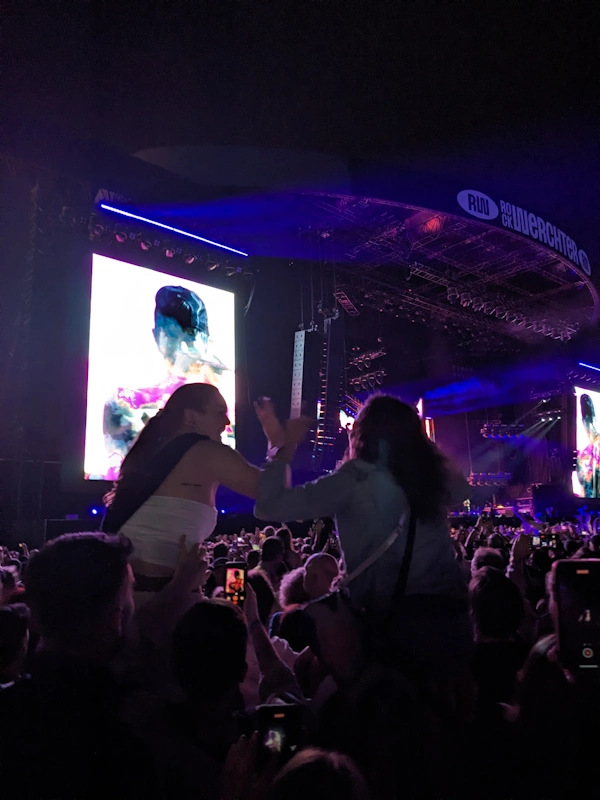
[272,427]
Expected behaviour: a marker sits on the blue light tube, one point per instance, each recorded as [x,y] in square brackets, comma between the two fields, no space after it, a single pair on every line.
[171,228]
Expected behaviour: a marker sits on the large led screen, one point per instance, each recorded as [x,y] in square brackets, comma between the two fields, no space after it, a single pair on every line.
[586,475]
[149,334]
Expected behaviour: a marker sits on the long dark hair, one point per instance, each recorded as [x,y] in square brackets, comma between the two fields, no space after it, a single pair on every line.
[390,432]
[156,433]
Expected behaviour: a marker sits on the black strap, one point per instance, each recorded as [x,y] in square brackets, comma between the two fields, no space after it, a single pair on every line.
[128,500]
[406,559]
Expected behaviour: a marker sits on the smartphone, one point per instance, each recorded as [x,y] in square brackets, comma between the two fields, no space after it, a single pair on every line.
[549,540]
[235,582]
[256,547]
[577,593]
[535,541]
[280,729]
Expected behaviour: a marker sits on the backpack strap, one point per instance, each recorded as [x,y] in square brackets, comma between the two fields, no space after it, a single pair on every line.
[406,559]
[159,467]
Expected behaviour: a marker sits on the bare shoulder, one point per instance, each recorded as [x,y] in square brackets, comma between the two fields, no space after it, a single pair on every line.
[213,452]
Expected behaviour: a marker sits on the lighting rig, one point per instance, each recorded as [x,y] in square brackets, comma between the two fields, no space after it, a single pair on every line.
[489,478]
[548,414]
[499,430]
[367,378]
[131,237]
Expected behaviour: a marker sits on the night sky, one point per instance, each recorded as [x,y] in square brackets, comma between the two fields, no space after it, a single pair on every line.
[425,82]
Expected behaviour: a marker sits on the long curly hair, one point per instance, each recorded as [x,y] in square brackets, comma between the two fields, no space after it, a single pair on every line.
[157,432]
[389,432]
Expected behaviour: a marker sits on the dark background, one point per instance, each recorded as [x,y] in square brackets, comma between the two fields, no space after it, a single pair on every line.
[499,89]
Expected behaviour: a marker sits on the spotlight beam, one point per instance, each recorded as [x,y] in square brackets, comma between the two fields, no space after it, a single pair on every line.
[156,224]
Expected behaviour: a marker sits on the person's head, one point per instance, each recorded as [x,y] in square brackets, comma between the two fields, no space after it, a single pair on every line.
[321,776]
[218,571]
[487,557]
[269,531]
[220,550]
[272,552]
[496,604]
[80,592]
[321,570]
[588,415]
[209,651]
[390,433]
[285,537]
[14,638]
[496,540]
[8,585]
[571,547]
[192,408]
[253,559]
[291,589]
[265,597]
[181,327]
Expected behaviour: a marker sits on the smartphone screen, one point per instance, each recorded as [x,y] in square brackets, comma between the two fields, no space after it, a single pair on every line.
[577,588]
[235,583]
[535,541]
[279,729]
[256,547]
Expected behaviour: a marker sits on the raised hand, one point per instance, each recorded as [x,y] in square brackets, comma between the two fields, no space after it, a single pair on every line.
[272,427]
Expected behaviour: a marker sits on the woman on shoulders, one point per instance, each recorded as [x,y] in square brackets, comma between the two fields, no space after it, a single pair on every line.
[392,473]
[169,479]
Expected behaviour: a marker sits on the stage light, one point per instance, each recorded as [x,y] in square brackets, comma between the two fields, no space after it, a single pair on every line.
[169,252]
[123,213]
[189,259]
[230,271]
[477,304]
[589,366]
[145,244]
[212,265]
[465,299]
[488,308]
[452,294]
[500,312]
[120,237]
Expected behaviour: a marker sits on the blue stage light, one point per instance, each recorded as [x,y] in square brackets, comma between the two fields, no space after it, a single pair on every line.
[95,510]
[589,366]
[123,213]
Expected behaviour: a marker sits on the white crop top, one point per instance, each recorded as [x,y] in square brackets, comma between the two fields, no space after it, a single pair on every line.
[157,525]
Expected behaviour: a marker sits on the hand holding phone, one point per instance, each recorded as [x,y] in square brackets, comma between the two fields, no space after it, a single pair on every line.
[235,582]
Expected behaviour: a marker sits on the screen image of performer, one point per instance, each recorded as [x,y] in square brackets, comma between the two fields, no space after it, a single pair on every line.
[588,458]
[234,588]
[181,334]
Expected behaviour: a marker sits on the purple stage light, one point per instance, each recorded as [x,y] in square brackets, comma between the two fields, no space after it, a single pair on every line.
[171,228]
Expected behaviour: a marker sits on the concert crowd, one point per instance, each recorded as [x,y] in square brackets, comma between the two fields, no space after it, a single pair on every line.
[253,672]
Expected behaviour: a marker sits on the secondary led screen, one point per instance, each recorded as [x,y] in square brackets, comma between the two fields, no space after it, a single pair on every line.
[149,334]
[586,476]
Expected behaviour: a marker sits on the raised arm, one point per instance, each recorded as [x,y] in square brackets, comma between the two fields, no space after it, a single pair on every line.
[229,468]
[276,499]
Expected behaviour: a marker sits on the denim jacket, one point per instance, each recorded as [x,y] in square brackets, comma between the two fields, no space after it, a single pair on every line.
[367,504]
